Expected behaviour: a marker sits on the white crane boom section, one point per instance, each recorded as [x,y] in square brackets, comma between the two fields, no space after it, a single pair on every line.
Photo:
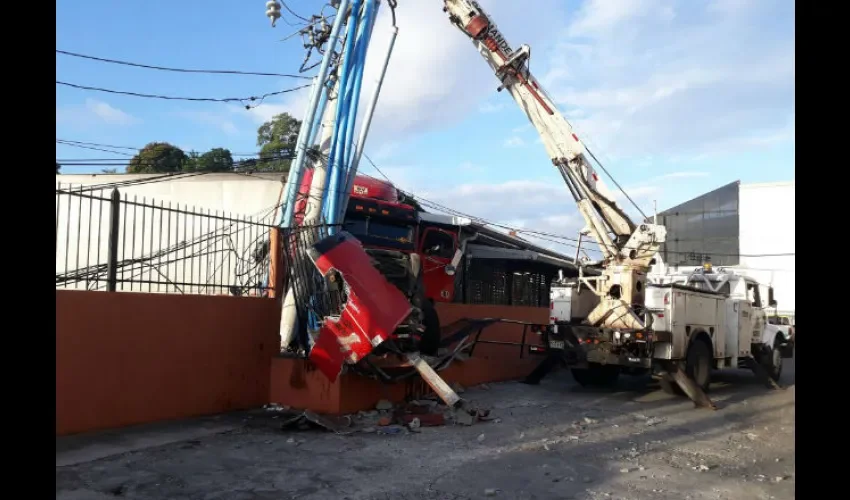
[609,225]
[628,248]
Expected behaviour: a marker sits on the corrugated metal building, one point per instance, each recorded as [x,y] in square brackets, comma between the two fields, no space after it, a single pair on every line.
[744,226]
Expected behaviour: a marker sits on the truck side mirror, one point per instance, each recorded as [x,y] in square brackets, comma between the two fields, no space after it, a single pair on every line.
[770,300]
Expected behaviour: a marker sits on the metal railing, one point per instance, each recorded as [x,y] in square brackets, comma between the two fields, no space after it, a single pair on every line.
[114,242]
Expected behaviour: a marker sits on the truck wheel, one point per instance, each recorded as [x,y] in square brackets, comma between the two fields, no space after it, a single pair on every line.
[771,360]
[430,343]
[596,375]
[670,387]
[698,364]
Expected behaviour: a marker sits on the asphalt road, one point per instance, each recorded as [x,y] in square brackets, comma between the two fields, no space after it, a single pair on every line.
[553,441]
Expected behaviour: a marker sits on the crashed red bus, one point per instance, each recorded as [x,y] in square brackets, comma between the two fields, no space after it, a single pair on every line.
[429,258]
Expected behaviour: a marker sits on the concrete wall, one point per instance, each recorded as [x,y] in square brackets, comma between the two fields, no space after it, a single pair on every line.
[767,222]
[130,358]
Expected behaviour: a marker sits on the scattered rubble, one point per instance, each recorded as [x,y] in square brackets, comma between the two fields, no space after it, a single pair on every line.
[307,419]
[384,405]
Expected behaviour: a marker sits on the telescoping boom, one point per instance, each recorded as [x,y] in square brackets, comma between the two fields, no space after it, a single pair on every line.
[627,248]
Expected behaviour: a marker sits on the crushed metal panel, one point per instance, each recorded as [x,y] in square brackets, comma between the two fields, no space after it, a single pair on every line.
[373,310]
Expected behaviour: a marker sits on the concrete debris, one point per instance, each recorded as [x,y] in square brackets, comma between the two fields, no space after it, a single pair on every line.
[491,492]
[414,424]
[655,421]
[425,420]
[384,405]
[625,470]
[481,438]
[390,429]
[275,407]
[701,468]
[590,421]
[308,419]
[779,479]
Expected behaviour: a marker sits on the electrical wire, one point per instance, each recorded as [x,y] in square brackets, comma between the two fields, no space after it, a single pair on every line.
[80,146]
[242,100]
[293,12]
[557,237]
[179,70]
[133,148]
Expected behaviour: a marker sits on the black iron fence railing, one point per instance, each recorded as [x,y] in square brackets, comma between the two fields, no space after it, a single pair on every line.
[106,240]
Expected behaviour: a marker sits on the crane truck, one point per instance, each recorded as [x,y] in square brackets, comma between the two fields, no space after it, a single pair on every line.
[619,321]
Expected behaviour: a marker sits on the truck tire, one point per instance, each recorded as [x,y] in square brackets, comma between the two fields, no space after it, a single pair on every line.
[698,363]
[430,343]
[771,360]
[596,375]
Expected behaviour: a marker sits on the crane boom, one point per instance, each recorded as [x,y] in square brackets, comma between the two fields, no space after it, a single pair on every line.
[627,248]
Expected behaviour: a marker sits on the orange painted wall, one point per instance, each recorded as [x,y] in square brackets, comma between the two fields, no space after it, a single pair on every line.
[130,358]
[295,383]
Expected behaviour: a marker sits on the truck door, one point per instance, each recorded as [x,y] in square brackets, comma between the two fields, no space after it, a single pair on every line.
[437,249]
[745,327]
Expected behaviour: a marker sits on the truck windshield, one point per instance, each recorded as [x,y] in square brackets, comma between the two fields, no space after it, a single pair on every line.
[376,228]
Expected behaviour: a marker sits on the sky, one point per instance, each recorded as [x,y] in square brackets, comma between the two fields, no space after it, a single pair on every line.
[675,97]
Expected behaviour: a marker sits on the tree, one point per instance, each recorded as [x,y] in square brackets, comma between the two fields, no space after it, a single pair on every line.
[157,157]
[215,160]
[58,167]
[277,139]
[109,171]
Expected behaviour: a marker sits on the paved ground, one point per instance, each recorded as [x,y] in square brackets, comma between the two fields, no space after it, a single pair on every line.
[554,441]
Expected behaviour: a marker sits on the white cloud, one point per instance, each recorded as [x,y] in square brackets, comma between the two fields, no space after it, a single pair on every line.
[216,120]
[435,76]
[490,107]
[600,17]
[514,142]
[94,112]
[649,81]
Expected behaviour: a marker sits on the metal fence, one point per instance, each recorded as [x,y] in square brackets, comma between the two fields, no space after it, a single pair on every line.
[106,240]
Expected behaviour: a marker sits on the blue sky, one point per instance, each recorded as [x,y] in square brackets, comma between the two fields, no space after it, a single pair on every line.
[675,97]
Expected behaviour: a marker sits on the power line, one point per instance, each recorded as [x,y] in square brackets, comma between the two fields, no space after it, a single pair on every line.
[294,13]
[92,148]
[541,234]
[132,148]
[180,70]
[193,99]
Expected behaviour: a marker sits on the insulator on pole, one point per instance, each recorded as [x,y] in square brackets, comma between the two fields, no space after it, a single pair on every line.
[273,11]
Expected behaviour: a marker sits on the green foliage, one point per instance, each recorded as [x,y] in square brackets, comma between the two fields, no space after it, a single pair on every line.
[276,139]
[109,171]
[157,157]
[214,160]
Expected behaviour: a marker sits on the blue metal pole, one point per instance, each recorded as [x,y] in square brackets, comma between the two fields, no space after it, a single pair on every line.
[338,145]
[296,170]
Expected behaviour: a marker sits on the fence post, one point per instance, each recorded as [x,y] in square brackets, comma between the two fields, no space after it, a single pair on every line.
[277,269]
[112,257]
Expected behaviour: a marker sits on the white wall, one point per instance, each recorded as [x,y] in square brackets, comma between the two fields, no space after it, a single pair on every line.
[242,194]
[221,248]
[767,226]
